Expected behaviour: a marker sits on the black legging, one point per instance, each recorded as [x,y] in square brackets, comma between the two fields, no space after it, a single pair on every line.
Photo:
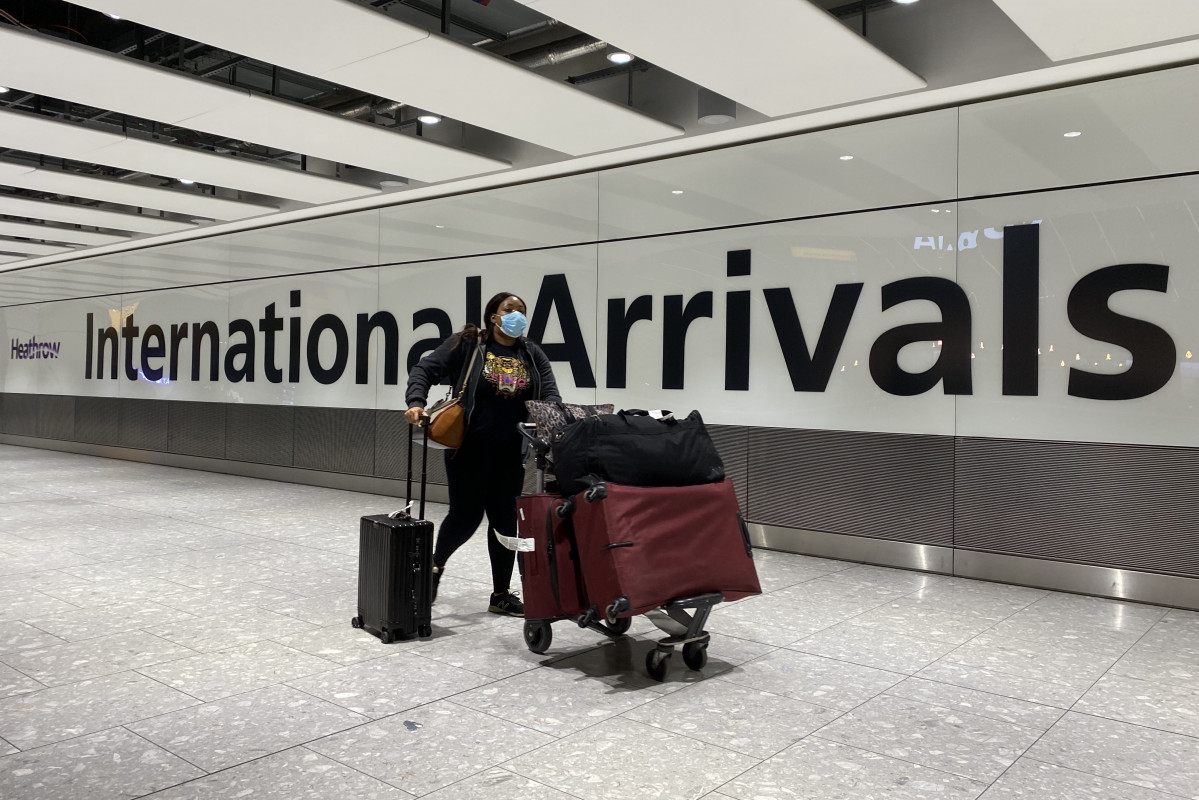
[481,481]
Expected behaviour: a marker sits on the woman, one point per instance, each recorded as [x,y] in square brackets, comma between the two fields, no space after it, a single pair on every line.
[486,473]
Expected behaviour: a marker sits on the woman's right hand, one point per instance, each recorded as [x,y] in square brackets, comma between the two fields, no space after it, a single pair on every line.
[414,414]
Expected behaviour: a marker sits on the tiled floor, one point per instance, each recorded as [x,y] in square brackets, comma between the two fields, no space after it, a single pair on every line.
[181,634]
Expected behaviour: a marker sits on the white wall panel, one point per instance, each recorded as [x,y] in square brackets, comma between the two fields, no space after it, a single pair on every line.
[544,214]
[810,258]
[347,240]
[441,286]
[175,307]
[1083,231]
[192,262]
[908,160]
[1130,128]
[344,295]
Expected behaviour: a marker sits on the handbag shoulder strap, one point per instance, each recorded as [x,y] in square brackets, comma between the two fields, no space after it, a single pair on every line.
[470,368]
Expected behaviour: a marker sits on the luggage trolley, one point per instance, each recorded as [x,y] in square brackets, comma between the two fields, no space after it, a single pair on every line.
[682,619]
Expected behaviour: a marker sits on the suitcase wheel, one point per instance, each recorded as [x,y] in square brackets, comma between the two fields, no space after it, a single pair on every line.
[385,636]
[620,626]
[355,622]
[424,631]
[538,635]
[656,662]
[695,655]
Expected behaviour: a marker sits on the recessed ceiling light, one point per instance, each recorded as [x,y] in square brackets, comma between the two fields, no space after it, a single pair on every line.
[1072,134]
[936,211]
[392,184]
[186,182]
[905,2]
[676,191]
[847,158]
[429,119]
[620,57]
[115,16]
[3,89]
[438,226]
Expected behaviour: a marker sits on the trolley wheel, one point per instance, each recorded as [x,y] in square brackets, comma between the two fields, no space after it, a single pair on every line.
[424,631]
[695,655]
[355,622]
[385,636]
[656,662]
[538,635]
[620,626]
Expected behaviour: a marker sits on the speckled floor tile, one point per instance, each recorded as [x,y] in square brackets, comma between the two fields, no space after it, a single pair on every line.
[1075,663]
[323,610]
[823,681]
[1164,706]
[344,644]
[212,676]
[308,584]
[624,760]
[42,580]
[113,592]
[113,764]
[499,652]
[64,712]
[295,774]
[969,745]
[1000,683]
[25,603]
[91,623]
[563,699]
[1054,630]
[970,701]
[775,574]
[230,574]
[1165,658]
[231,599]
[210,633]
[133,569]
[498,783]
[1035,780]
[430,747]
[905,615]
[104,655]
[388,685]
[1121,751]
[18,636]
[874,648]
[1006,590]
[1098,611]
[861,596]
[885,577]
[247,726]
[738,718]
[962,600]
[820,770]
[14,682]
[6,748]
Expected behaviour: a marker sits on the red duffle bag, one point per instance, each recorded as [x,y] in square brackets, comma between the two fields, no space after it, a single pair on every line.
[641,547]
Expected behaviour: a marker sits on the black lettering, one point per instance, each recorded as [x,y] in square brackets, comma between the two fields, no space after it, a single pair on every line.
[384,321]
[736,325]
[129,333]
[270,325]
[178,334]
[1021,311]
[158,350]
[87,337]
[105,336]
[555,293]
[341,356]
[619,325]
[810,372]
[1153,351]
[200,332]
[243,350]
[953,364]
[429,316]
[474,299]
[676,319]
[293,330]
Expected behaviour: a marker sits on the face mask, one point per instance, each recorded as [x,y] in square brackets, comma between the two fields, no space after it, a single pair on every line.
[513,323]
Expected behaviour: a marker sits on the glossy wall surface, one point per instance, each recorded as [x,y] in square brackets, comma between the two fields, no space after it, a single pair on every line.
[961,329]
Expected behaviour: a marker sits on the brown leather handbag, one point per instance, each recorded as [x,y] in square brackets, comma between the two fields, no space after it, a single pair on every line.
[447,418]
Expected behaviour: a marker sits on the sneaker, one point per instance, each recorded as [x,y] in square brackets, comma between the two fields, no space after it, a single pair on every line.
[436,581]
[506,603]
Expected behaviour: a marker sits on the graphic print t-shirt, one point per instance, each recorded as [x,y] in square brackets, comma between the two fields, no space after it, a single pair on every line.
[501,394]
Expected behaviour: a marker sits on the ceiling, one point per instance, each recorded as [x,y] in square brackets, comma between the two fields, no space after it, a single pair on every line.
[131,119]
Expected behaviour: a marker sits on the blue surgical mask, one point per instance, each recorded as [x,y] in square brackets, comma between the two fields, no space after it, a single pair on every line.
[513,323]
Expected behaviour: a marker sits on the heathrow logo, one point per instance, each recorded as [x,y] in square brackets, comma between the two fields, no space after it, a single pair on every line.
[22,351]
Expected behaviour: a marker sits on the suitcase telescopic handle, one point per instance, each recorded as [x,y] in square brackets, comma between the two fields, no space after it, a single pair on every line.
[424,465]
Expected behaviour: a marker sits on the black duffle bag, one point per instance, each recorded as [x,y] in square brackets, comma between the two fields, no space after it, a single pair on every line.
[632,448]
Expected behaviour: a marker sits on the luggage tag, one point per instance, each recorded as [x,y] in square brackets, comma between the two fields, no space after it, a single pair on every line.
[516,543]
[403,513]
